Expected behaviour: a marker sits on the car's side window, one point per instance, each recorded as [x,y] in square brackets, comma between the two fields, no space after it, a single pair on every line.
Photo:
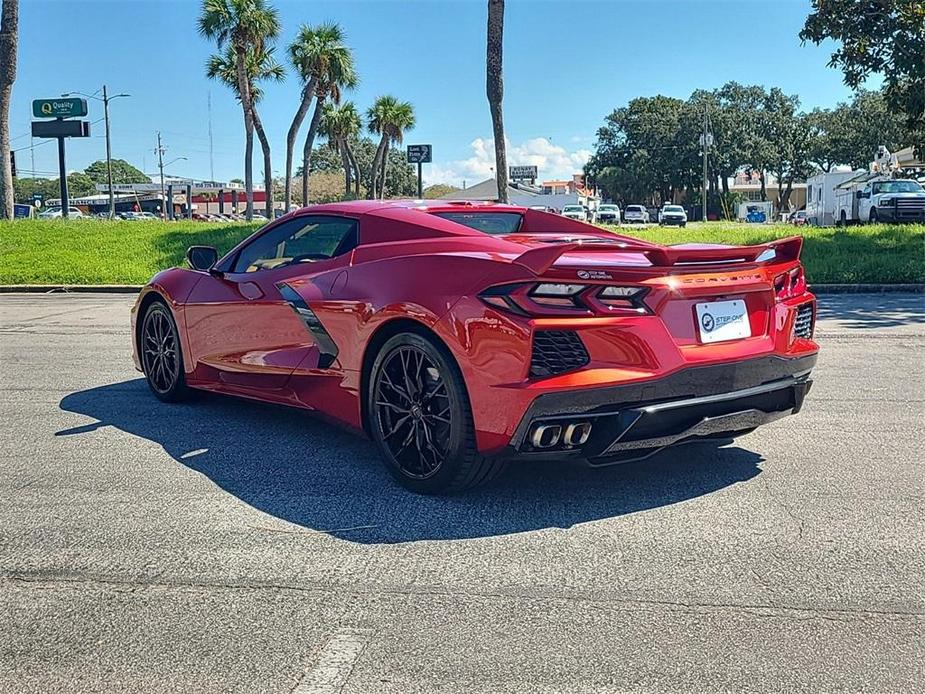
[299,240]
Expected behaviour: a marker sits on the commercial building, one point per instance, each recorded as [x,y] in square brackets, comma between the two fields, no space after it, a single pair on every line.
[555,194]
[185,196]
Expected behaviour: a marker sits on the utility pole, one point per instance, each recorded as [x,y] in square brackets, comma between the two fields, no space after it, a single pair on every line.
[705,141]
[159,151]
[106,99]
[211,161]
[112,200]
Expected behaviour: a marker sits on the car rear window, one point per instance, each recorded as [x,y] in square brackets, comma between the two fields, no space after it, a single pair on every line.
[487,222]
[633,208]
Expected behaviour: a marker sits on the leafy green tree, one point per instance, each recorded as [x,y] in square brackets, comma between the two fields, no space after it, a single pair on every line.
[341,124]
[25,187]
[851,132]
[324,158]
[401,178]
[319,56]
[389,118]
[641,151]
[79,185]
[122,172]
[438,190]
[260,66]
[784,134]
[246,26]
[885,37]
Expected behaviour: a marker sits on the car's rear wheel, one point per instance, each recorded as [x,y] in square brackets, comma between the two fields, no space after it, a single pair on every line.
[421,420]
[873,215]
[161,355]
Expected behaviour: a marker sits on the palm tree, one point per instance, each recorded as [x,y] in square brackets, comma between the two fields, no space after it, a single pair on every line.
[243,25]
[316,53]
[494,86]
[340,125]
[389,118]
[328,86]
[9,35]
[259,66]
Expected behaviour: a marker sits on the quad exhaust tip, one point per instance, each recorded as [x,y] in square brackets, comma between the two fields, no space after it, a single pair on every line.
[546,436]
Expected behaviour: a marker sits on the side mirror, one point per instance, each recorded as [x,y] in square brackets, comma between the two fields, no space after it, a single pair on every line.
[859,194]
[201,257]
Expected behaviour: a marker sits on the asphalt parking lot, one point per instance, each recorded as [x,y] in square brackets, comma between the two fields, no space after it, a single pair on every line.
[223,546]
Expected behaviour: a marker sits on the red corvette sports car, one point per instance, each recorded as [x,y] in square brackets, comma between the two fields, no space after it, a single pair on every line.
[460,335]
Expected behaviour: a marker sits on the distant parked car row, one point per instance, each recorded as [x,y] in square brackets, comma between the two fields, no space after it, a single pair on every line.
[56,212]
[610,213]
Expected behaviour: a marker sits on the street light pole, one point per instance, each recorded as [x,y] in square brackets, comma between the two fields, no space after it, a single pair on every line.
[112,200]
[705,142]
[106,99]
[160,163]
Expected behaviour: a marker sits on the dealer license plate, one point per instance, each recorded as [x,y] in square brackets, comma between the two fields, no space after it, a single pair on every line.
[719,321]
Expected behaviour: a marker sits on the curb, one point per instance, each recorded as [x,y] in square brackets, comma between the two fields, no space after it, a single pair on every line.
[866,288]
[70,288]
[135,288]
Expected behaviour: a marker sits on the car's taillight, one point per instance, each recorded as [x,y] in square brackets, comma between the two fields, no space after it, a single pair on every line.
[559,298]
[790,284]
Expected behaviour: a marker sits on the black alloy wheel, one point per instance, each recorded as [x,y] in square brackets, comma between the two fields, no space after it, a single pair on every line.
[421,420]
[161,358]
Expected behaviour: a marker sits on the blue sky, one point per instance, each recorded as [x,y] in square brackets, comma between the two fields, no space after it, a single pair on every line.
[566,66]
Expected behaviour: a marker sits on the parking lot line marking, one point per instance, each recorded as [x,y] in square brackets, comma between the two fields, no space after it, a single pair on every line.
[335,663]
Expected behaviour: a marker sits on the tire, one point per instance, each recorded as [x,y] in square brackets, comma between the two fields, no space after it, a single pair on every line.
[161,354]
[683,224]
[872,217]
[423,425]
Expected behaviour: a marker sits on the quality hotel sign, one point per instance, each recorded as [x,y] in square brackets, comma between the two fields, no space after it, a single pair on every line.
[59,108]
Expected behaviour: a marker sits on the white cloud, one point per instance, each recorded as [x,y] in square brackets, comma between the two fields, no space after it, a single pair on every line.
[552,161]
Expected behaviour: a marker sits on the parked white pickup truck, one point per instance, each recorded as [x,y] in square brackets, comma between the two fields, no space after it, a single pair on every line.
[881,200]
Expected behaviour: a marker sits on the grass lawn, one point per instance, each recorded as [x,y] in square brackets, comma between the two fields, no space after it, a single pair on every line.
[873,253]
[84,251]
[103,252]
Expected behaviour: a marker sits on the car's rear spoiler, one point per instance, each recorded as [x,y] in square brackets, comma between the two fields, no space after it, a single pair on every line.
[539,260]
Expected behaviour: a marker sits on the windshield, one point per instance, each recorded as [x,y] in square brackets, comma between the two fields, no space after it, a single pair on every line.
[572,208]
[673,208]
[897,187]
[608,208]
[488,222]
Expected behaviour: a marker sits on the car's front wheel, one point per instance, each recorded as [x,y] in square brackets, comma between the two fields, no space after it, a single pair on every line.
[161,356]
[421,420]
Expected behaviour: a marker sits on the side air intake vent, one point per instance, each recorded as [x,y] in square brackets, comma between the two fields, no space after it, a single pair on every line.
[803,325]
[556,351]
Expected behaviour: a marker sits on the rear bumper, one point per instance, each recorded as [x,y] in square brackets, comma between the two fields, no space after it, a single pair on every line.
[634,421]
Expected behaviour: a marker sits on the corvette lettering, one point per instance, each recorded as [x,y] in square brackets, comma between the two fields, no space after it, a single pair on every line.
[722,278]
